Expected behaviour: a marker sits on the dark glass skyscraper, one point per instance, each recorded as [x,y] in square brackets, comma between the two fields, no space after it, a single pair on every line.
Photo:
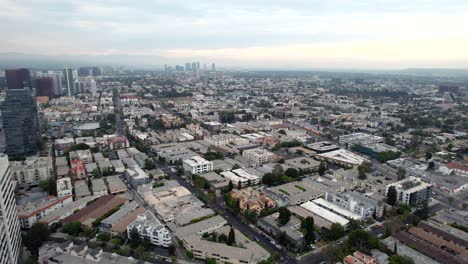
[44,86]
[20,123]
[18,78]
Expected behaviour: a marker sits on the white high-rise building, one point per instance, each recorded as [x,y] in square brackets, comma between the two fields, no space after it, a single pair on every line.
[10,242]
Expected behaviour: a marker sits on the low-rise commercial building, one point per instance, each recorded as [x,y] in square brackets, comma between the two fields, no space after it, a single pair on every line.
[99,187]
[241,178]
[115,184]
[292,229]
[127,209]
[342,157]
[293,193]
[81,189]
[321,212]
[202,249]
[136,176]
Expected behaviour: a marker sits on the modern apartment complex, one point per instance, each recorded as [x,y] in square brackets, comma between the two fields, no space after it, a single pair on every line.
[411,191]
[258,156]
[31,171]
[197,165]
[148,226]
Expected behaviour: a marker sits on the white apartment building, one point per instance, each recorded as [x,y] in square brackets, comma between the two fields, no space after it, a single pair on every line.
[223,140]
[85,155]
[64,187]
[242,177]
[10,244]
[258,156]
[31,212]
[31,171]
[354,202]
[136,176]
[197,165]
[411,191]
[148,226]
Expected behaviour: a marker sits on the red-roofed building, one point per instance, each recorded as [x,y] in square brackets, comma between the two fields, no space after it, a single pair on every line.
[118,142]
[78,170]
[359,258]
[459,168]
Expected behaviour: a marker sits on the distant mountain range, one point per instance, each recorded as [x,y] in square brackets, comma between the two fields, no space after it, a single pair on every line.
[60,61]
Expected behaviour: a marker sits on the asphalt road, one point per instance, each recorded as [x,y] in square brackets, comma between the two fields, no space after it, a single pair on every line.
[233,219]
[117,109]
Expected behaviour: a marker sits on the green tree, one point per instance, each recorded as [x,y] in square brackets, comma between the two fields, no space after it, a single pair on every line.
[336,231]
[222,238]
[396,259]
[134,237]
[81,146]
[307,227]
[139,251]
[322,168]
[149,164]
[450,199]
[124,250]
[278,171]
[388,155]
[431,165]
[291,172]
[73,228]
[189,254]
[283,239]
[401,173]
[210,261]
[423,212]
[428,156]
[362,240]
[235,167]
[35,237]
[391,196]
[284,216]
[172,250]
[268,179]
[231,239]
[104,237]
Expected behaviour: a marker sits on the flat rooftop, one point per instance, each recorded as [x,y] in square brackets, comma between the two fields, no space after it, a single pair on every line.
[324,213]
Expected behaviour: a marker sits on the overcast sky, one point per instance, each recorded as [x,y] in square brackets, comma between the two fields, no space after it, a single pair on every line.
[260,33]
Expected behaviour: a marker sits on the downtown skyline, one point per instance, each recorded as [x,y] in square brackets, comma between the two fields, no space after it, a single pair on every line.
[257,34]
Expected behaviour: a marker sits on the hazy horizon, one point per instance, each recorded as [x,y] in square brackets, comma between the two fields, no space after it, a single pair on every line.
[246,34]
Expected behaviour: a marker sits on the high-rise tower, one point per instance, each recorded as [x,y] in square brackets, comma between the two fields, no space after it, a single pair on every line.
[10,244]
[18,78]
[20,123]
